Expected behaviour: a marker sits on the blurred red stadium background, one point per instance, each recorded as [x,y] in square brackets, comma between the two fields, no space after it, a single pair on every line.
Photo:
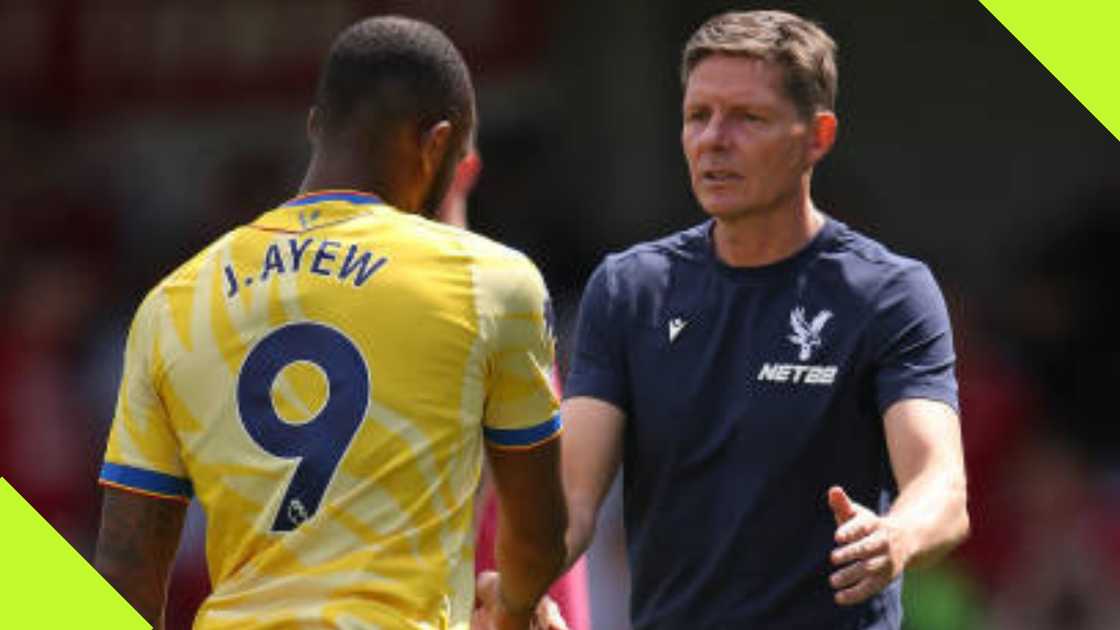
[135,132]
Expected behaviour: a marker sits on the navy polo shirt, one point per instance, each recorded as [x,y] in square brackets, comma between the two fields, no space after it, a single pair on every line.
[747,393]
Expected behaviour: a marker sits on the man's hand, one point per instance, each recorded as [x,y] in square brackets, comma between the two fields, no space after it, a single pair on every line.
[871,551]
[492,615]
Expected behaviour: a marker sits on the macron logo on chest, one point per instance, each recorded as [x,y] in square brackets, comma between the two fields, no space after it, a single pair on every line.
[676,325]
[806,336]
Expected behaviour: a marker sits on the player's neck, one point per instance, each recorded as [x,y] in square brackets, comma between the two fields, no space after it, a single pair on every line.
[757,239]
[325,173]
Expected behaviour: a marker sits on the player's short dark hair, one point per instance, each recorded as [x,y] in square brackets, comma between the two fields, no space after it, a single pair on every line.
[398,69]
[804,51]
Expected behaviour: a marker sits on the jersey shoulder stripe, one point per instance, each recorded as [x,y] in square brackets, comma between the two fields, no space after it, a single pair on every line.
[527,437]
[147,481]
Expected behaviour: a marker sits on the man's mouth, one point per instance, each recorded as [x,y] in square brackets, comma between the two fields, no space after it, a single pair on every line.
[719,176]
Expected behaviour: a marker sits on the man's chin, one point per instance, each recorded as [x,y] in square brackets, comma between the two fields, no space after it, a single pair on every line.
[722,208]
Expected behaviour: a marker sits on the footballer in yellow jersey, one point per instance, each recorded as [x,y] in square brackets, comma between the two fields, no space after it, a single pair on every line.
[320,379]
[324,379]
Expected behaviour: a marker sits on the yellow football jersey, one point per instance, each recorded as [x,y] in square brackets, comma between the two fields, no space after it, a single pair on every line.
[322,379]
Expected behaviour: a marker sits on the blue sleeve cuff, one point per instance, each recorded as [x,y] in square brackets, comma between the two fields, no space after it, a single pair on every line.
[526,437]
[146,481]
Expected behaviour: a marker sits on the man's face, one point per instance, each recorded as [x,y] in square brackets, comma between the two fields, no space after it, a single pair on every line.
[746,144]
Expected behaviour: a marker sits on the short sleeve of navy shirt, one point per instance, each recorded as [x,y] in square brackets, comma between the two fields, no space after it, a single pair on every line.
[748,392]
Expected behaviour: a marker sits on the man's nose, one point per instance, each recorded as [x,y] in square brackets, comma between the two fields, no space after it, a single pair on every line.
[714,133]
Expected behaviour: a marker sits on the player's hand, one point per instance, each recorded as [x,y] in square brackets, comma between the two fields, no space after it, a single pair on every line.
[490,614]
[870,550]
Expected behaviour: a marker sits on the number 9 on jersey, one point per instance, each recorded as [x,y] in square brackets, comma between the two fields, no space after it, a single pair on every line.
[319,443]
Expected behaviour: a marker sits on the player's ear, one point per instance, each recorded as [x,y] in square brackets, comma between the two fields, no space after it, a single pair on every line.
[822,135]
[435,142]
[314,125]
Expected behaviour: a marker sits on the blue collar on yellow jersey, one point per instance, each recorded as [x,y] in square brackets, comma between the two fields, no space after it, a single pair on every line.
[349,196]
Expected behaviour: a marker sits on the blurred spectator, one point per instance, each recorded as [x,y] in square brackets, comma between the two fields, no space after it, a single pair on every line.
[1065,574]
[1062,311]
[1000,407]
[48,441]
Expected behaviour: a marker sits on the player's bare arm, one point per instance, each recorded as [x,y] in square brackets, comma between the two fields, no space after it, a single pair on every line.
[531,505]
[136,548]
[591,458]
[928,519]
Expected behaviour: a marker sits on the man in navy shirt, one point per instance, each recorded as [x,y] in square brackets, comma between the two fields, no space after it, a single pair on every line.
[778,388]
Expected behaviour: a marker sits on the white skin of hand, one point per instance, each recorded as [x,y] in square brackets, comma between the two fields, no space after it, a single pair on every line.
[490,616]
[870,552]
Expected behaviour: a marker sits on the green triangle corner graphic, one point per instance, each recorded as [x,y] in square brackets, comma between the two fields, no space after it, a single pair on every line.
[46,583]
[1078,42]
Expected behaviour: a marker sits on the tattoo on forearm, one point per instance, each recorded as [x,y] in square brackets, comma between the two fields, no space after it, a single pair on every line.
[136,546]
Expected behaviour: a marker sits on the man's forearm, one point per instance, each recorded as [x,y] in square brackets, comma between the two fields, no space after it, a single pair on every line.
[532,519]
[136,548]
[527,569]
[581,529]
[592,458]
[144,593]
[932,511]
